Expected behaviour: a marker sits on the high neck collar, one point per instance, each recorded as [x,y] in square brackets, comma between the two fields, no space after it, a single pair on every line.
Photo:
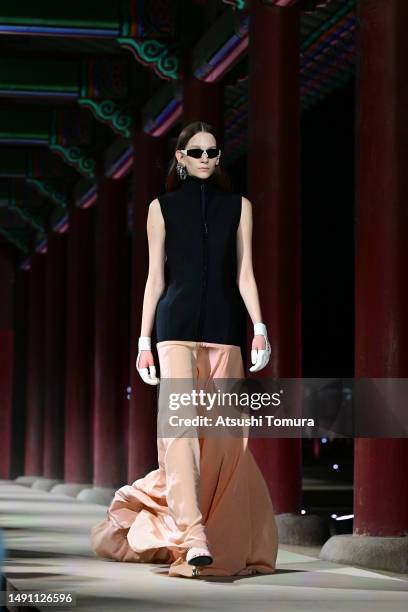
[192,184]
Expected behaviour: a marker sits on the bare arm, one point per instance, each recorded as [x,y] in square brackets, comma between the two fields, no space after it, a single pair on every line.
[155,280]
[245,274]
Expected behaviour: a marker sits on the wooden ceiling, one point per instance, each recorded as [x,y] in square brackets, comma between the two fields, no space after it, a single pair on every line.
[74,75]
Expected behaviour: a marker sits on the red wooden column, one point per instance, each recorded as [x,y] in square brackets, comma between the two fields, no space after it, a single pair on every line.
[34,438]
[79,346]
[110,456]
[202,101]
[274,190]
[21,310]
[7,341]
[55,296]
[148,182]
[381,465]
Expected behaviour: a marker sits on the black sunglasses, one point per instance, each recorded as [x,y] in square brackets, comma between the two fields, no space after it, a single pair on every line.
[197,153]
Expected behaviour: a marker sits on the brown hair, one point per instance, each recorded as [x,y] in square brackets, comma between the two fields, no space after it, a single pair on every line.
[221,177]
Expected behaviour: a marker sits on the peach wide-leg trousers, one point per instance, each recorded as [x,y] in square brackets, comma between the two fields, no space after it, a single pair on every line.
[206,491]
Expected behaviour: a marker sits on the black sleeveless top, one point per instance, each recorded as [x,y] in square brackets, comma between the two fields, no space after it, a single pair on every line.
[201,301]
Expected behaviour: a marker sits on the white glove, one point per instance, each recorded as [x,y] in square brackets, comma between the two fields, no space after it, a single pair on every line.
[260,357]
[150,378]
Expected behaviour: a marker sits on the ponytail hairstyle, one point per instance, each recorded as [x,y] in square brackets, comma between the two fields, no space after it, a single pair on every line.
[221,177]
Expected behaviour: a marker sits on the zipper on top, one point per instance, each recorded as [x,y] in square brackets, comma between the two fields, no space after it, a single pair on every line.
[203,209]
[205,256]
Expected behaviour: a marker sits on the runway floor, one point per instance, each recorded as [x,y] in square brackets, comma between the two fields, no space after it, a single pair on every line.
[48,548]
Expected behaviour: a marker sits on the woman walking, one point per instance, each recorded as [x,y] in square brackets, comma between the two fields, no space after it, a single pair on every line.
[206,510]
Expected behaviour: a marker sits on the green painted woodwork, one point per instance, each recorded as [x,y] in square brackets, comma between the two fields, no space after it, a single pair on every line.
[96,77]
[155,53]
[82,187]
[72,154]
[36,163]
[75,13]
[50,190]
[240,5]
[126,18]
[104,78]
[23,125]
[14,199]
[27,215]
[88,68]
[313,98]
[76,158]
[117,116]
[327,24]
[169,92]
[39,75]
[56,216]
[218,34]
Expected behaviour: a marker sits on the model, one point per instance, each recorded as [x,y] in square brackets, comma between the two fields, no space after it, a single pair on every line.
[206,510]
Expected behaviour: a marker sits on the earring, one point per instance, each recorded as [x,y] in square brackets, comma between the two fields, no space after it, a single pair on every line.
[181,171]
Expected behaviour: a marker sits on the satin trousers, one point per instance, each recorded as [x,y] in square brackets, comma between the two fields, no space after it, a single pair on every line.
[198,363]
